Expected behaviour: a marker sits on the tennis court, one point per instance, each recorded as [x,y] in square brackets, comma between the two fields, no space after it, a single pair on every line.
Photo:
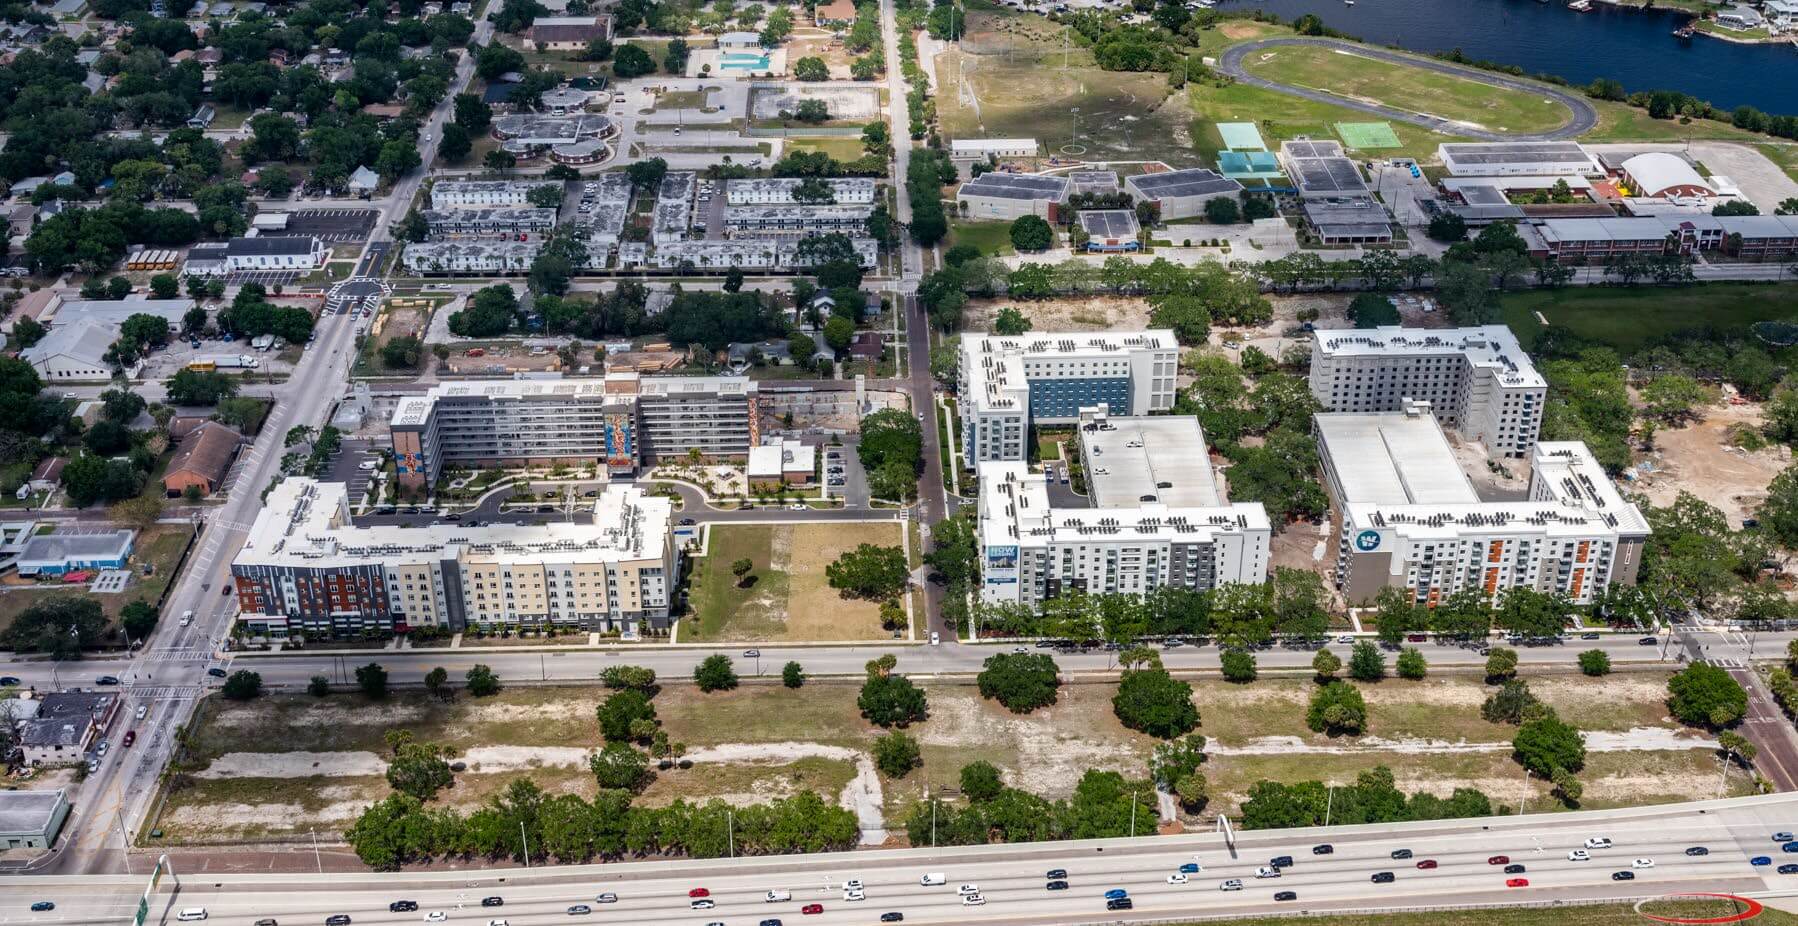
[1368,135]
[1241,136]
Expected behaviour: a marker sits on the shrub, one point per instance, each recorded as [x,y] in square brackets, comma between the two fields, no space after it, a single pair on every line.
[980,781]
[792,675]
[242,685]
[892,701]
[1704,695]
[1411,664]
[1501,664]
[1366,663]
[1022,682]
[1594,662]
[1238,665]
[896,754]
[1337,708]
[714,673]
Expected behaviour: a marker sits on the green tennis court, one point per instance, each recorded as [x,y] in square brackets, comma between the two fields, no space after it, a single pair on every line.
[1368,135]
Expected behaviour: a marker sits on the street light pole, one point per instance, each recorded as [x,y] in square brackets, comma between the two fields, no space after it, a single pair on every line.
[1525,802]
[730,829]
[316,858]
[527,844]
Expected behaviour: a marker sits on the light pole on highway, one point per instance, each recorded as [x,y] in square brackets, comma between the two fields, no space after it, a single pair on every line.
[124,842]
[730,830]
[527,844]
[1133,795]
[1525,801]
[316,858]
[1329,803]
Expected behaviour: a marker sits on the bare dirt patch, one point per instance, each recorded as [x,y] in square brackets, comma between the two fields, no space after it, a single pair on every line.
[294,765]
[1070,313]
[1046,751]
[1702,458]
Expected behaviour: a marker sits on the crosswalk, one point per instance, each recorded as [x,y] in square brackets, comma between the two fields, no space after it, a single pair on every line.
[168,692]
[186,654]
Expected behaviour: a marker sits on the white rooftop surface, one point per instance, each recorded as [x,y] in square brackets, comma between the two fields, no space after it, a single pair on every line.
[1014,504]
[414,409]
[295,528]
[1139,453]
[1487,345]
[779,457]
[998,360]
[1393,458]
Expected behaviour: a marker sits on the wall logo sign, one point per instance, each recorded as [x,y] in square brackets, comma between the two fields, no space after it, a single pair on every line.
[1367,541]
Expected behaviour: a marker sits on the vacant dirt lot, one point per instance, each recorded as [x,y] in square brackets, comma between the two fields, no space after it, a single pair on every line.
[1702,458]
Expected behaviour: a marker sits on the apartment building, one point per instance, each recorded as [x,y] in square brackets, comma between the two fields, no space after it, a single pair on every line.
[764,222]
[488,221]
[307,568]
[778,191]
[1157,519]
[674,207]
[457,194]
[1410,519]
[624,419]
[1006,383]
[493,256]
[751,253]
[1477,381]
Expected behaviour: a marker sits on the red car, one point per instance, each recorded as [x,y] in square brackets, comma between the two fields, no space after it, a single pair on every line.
[1499,860]
[1427,863]
[130,737]
[699,892]
[1517,882]
[811,908]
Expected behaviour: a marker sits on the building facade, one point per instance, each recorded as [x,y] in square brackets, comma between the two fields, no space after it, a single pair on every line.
[487,222]
[276,253]
[778,191]
[1477,381]
[456,194]
[306,567]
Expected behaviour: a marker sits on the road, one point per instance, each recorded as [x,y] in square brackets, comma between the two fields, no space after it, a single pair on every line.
[1584,115]
[1011,878]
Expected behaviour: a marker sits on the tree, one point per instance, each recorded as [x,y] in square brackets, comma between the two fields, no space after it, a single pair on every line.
[499,159]
[194,387]
[1533,614]
[812,112]
[1411,664]
[491,312]
[482,682]
[674,60]
[372,679]
[243,685]
[792,675]
[1222,210]
[1010,322]
[456,143]
[1548,744]
[137,619]
[1704,695]
[1176,761]
[619,766]
[1595,662]
[1512,703]
[1031,233]
[869,572]
[714,673]
[1238,665]
[1152,701]
[631,61]
[1447,227]
[811,67]
[419,769]
[1567,786]
[891,701]
[1022,682]
[1778,514]
[26,331]
[60,627]
[436,679]
[402,353]
[318,686]
[1337,708]
[1325,665]
[1501,664]
[1366,663]
[980,781]
[141,512]
[621,710]
[742,569]
[1372,310]
[896,754]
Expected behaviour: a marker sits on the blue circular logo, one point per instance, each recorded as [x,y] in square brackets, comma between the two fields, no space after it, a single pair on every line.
[1367,541]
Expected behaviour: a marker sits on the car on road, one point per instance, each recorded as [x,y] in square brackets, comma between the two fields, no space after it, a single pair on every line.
[1789,847]
[968,889]
[1191,868]
[892,916]
[402,906]
[1346,638]
[1115,893]
[579,909]
[1579,855]
[1790,868]
[495,901]
[216,672]
[107,680]
[1233,884]
[1649,641]
[1121,903]
[1056,886]
[1427,863]
[1698,850]
[1517,882]
[1760,860]
[1281,861]
[436,916]
[498,923]
[811,909]
[854,894]
[1589,636]
[1267,871]
[972,900]
[10,681]
[687,522]
[130,737]
[270,921]
[1598,842]
[699,892]
[703,903]
[338,919]
[1401,853]
[751,653]
[42,906]
[1623,876]
[1642,863]
[1514,869]
[1056,874]
[1176,878]
[607,897]
[1286,895]
[1499,860]
[1325,849]
[770,922]
[1782,837]
[1384,877]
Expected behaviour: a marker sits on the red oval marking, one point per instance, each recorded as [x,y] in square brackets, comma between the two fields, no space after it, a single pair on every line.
[1753,909]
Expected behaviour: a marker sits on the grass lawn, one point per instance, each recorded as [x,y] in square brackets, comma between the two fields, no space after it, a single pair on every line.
[788,598]
[744,783]
[992,238]
[1610,914]
[842,149]
[1281,117]
[1348,76]
[1631,318]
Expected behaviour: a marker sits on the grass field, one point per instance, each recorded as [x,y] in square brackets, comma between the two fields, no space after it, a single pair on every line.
[1471,103]
[1629,318]
[1280,117]
[788,598]
[992,238]
[842,149]
[1610,914]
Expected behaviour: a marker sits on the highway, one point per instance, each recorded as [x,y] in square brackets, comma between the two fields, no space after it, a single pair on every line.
[1011,879]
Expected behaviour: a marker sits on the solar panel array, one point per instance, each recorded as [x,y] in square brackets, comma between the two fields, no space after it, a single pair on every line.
[1327,175]
[1312,149]
[1015,186]
[1194,182]
[1109,223]
[1518,153]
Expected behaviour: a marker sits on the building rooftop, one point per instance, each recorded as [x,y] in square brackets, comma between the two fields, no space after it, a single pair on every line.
[973,147]
[1359,216]
[29,811]
[1109,223]
[1325,175]
[83,341]
[491,215]
[71,545]
[995,368]
[1393,458]
[454,188]
[1160,458]
[1196,181]
[1016,186]
[114,311]
[1014,506]
[1471,157]
[1094,181]
[536,129]
[1660,170]
[1488,345]
[282,245]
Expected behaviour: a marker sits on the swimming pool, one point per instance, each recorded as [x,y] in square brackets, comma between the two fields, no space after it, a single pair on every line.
[743,62]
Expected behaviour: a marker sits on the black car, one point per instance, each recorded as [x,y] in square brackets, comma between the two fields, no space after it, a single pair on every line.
[1514,869]
[41,906]
[1120,903]
[338,919]
[687,522]
[1698,850]
[1287,895]
[770,922]
[1589,636]
[10,681]
[402,906]
[1788,869]
[216,672]
[493,901]
[1325,849]
[1281,861]
[1649,641]
[267,922]
[1401,853]
[1623,876]
[107,680]
[1056,886]
[1384,877]
[893,917]
[1056,874]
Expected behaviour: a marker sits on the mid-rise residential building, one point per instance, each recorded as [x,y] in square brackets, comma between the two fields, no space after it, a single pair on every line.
[456,194]
[712,415]
[493,256]
[778,191]
[1158,519]
[1477,381]
[1006,383]
[306,567]
[1410,519]
[763,222]
[487,222]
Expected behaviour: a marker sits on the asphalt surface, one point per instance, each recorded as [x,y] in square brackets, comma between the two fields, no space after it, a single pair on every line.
[1585,116]
[1011,879]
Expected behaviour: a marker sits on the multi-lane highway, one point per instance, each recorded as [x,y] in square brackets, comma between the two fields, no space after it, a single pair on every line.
[1012,879]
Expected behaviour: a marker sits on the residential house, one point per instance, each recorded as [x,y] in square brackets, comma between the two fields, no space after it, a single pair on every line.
[67,723]
[201,460]
[568,33]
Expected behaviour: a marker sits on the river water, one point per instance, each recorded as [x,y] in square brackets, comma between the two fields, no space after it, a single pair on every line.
[1634,47]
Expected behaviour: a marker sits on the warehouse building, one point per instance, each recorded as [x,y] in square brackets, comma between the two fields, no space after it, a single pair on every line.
[1505,158]
[1001,196]
[1158,519]
[993,147]
[1477,381]
[1110,230]
[1182,194]
[1410,519]
[457,194]
[492,256]
[778,191]
[306,567]
[1008,383]
[1319,169]
[487,221]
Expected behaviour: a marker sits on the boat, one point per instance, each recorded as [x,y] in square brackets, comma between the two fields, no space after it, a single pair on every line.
[1686,31]
[1580,6]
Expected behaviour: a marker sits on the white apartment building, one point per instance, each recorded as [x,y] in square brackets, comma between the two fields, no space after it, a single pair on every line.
[1158,519]
[306,567]
[1478,381]
[778,191]
[747,253]
[456,194]
[674,207]
[1046,377]
[488,221]
[1409,518]
[489,256]
[795,221]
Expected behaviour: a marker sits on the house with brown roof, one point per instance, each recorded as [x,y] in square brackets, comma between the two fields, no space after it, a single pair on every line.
[568,33]
[202,459]
[835,13]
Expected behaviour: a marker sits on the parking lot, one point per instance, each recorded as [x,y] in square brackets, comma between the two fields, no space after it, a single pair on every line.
[332,225]
[346,467]
[844,476]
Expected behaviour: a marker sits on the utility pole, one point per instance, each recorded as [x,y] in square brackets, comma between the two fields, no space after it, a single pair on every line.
[1329,803]
[1133,795]
[730,830]
[316,858]
[1525,802]
[527,844]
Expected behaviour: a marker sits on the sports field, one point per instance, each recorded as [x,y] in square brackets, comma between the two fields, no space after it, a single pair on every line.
[1630,318]
[1474,104]
[1367,135]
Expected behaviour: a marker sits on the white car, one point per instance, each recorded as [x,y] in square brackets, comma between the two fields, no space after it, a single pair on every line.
[1579,855]
[1234,884]
[1598,842]
[973,900]
[1267,871]
[967,889]
[1176,878]
[854,895]
[703,903]
[853,884]
[436,916]
[1642,863]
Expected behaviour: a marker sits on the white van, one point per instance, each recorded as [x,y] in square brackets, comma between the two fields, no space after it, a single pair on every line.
[777,896]
[191,913]
[933,878]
